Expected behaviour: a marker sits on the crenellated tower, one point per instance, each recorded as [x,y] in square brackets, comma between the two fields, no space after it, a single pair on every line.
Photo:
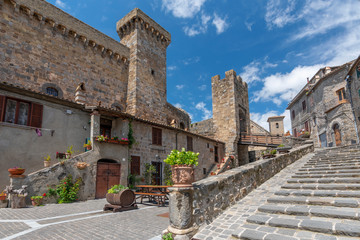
[147,41]
[231,113]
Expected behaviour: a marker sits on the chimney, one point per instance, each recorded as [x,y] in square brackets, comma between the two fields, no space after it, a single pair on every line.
[80,94]
[327,70]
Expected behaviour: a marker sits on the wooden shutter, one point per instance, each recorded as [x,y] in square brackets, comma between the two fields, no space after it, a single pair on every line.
[135,165]
[189,143]
[36,115]
[159,137]
[2,108]
[156,136]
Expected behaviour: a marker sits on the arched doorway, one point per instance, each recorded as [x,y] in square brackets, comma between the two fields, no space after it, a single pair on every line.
[337,134]
[107,175]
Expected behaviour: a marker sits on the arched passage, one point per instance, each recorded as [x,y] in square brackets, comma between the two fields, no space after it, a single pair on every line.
[337,134]
[107,175]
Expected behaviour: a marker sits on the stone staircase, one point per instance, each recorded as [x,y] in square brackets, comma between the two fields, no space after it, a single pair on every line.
[323,197]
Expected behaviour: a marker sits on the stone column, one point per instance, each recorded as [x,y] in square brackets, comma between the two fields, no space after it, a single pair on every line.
[95,125]
[181,213]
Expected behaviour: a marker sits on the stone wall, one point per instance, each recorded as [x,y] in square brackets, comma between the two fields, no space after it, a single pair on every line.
[214,194]
[62,126]
[354,87]
[205,128]
[41,44]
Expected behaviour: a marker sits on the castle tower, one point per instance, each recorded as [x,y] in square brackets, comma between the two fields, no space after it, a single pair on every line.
[231,113]
[147,40]
[276,125]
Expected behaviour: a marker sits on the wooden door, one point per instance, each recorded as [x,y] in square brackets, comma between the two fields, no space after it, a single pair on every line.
[337,135]
[108,175]
[157,176]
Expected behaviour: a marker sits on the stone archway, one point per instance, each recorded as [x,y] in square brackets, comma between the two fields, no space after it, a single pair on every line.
[337,134]
[107,175]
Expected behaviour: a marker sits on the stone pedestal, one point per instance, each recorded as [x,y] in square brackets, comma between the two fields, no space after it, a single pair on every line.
[181,213]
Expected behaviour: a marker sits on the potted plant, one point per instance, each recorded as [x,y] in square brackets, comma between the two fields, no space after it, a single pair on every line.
[282,149]
[47,161]
[81,165]
[182,163]
[2,196]
[16,171]
[88,145]
[101,138]
[124,141]
[69,151]
[37,200]
[269,153]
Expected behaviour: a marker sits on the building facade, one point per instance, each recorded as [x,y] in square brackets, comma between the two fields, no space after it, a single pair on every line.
[322,109]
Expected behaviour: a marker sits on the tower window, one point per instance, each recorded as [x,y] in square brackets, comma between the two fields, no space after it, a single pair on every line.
[277,125]
[152,72]
[52,91]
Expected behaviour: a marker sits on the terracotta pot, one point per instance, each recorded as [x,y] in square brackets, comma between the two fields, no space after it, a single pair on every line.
[124,198]
[81,165]
[124,142]
[182,175]
[2,198]
[88,148]
[36,202]
[47,163]
[16,171]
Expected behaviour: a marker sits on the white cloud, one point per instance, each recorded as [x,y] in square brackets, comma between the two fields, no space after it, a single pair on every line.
[191,60]
[200,27]
[278,15]
[172,68]
[206,112]
[183,8]
[253,71]
[249,25]
[282,87]
[178,105]
[202,87]
[103,18]
[60,4]
[179,87]
[261,119]
[220,24]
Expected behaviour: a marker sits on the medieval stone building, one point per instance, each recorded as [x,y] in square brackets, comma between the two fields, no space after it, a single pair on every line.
[64,83]
[322,108]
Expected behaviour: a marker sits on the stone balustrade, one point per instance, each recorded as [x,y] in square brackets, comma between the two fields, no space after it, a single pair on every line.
[193,207]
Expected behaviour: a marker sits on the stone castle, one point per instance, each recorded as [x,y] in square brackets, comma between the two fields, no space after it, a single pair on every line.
[73,83]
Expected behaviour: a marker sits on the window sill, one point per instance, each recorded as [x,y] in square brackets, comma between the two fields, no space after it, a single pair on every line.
[157,147]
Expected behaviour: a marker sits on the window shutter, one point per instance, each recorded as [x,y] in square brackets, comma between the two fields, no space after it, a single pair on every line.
[2,107]
[160,137]
[135,165]
[36,115]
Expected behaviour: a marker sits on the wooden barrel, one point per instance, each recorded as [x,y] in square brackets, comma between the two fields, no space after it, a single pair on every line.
[124,198]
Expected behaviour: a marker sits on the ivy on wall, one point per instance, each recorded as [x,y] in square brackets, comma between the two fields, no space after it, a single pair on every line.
[130,134]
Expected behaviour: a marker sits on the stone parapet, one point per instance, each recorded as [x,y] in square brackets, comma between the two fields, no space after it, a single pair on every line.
[213,195]
[73,26]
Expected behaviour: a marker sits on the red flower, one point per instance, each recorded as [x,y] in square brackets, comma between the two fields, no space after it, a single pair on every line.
[64,182]
[44,195]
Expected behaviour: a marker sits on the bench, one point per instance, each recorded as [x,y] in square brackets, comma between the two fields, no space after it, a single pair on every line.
[158,197]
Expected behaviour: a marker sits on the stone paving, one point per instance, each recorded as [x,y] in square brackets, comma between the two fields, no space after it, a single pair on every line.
[82,220]
[309,199]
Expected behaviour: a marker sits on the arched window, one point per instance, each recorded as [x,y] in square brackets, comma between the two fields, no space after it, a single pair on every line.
[277,125]
[52,91]
[182,125]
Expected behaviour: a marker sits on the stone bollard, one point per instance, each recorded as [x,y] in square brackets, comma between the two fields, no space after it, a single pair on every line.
[181,213]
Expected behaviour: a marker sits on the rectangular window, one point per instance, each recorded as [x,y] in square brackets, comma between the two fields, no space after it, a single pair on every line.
[156,136]
[293,114]
[294,132]
[135,165]
[304,105]
[20,112]
[341,94]
[189,141]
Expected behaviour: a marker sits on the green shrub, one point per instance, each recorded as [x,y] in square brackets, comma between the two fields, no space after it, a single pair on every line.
[117,188]
[67,190]
[182,158]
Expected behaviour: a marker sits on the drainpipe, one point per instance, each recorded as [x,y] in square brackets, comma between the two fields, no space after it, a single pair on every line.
[348,81]
[176,140]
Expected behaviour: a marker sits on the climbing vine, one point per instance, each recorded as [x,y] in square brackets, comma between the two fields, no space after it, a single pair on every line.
[130,134]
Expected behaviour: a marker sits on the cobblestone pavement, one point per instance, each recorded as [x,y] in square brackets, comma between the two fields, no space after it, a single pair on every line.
[313,198]
[82,220]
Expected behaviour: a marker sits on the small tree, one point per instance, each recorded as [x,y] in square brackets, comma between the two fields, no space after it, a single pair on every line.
[149,171]
[168,175]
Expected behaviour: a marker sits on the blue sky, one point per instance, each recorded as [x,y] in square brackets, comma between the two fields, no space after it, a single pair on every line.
[273,45]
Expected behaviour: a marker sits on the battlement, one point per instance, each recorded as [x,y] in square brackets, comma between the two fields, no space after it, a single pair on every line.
[229,75]
[129,22]
[68,25]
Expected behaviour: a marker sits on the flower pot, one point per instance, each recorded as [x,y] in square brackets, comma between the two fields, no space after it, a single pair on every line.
[182,175]
[124,142]
[68,155]
[2,198]
[124,198]
[36,202]
[81,165]
[47,163]
[88,148]
[16,171]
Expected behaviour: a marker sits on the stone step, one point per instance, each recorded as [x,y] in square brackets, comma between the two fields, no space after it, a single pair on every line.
[330,165]
[328,168]
[319,193]
[324,180]
[320,186]
[333,162]
[339,175]
[330,171]
[307,223]
[258,232]
[324,201]
[317,211]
